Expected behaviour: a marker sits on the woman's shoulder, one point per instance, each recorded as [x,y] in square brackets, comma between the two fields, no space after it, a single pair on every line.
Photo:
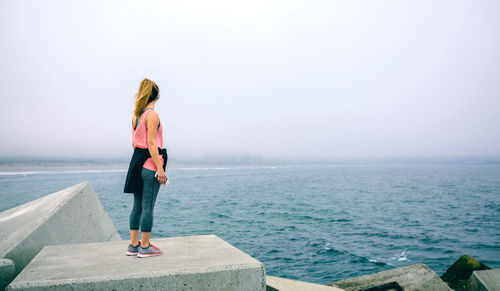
[153,112]
[152,115]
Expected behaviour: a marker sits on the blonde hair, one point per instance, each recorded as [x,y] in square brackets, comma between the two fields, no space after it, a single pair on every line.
[148,91]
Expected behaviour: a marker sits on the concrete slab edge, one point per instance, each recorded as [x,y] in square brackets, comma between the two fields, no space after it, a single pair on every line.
[125,283]
[284,284]
[478,282]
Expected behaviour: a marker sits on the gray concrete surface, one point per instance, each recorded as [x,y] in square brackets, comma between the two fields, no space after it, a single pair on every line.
[73,215]
[283,284]
[203,262]
[7,272]
[486,280]
[414,277]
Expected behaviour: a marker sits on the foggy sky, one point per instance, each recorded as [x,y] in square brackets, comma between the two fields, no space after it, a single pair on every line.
[284,79]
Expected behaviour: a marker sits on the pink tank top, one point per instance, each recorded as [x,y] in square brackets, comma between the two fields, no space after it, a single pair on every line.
[140,137]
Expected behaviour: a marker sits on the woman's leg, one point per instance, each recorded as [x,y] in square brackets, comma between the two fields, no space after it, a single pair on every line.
[149,193]
[134,237]
[146,236]
[135,217]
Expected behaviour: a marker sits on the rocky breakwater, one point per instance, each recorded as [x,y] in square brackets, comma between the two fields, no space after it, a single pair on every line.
[466,273]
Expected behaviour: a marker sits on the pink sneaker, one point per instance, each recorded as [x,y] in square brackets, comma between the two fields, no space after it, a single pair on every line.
[132,251]
[150,251]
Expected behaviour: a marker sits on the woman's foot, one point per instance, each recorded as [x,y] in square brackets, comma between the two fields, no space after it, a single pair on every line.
[133,250]
[149,251]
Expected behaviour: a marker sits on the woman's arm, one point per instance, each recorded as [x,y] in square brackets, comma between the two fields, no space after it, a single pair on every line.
[152,121]
[133,126]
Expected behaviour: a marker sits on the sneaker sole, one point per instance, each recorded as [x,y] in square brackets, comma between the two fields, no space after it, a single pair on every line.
[131,254]
[148,255]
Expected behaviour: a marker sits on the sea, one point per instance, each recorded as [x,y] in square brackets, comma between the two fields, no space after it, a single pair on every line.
[316,223]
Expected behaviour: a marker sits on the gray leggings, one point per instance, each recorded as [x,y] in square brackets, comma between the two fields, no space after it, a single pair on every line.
[144,202]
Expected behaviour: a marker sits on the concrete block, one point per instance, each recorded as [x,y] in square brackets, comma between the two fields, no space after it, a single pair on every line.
[282,284]
[203,262]
[73,215]
[487,280]
[414,277]
[7,272]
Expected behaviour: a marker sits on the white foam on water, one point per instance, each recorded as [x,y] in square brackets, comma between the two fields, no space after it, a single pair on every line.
[391,261]
[224,168]
[399,257]
[198,169]
[58,172]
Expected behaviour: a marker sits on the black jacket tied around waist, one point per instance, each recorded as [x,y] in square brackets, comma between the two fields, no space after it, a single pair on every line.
[133,183]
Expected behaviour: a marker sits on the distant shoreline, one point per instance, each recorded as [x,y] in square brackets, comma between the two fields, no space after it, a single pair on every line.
[59,166]
[27,168]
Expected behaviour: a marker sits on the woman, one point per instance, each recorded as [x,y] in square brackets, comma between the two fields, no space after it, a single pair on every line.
[146,170]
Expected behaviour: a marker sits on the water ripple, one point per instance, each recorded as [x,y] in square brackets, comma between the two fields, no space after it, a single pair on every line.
[316,223]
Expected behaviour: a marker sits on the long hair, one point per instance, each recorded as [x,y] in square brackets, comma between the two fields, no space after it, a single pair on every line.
[148,91]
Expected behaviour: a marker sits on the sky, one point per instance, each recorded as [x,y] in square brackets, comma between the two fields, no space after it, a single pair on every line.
[275,79]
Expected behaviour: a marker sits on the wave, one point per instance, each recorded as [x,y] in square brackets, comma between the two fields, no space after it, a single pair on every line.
[391,261]
[26,173]
[224,168]
[197,169]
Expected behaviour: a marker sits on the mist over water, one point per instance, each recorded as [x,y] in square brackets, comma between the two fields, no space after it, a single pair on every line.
[301,80]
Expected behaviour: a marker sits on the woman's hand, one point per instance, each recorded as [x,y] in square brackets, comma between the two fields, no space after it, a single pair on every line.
[162,177]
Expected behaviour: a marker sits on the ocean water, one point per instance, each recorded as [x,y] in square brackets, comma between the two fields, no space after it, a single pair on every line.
[313,223]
